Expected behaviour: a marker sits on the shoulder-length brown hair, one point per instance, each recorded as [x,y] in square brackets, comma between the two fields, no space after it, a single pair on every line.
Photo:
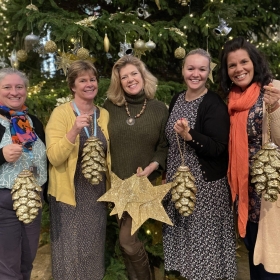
[115,92]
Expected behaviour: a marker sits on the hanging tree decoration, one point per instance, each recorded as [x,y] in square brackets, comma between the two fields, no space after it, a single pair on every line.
[142,11]
[63,61]
[150,45]
[184,2]
[125,48]
[183,188]
[22,55]
[3,64]
[32,7]
[106,43]
[31,40]
[265,170]
[13,59]
[50,47]
[180,53]
[158,4]
[139,48]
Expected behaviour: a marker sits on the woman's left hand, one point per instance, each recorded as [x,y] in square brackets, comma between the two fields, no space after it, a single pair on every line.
[181,126]
[148,170]
[271,96]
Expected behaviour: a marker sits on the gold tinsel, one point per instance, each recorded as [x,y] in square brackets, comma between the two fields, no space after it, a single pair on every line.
[82,53]
[26,200]
[93,162]
[265,171]
[50,46]
[22,55]
[183,191]
[180,53]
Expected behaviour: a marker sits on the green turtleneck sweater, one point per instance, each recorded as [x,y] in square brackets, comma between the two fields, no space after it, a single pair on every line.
[137,145]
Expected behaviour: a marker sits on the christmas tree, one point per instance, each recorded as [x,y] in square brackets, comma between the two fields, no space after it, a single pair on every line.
[43,37]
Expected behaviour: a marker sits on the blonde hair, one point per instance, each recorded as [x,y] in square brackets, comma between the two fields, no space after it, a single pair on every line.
[199,51]
[115,92]
[76,68]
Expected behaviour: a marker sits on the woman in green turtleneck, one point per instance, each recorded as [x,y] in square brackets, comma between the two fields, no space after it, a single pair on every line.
[137,139]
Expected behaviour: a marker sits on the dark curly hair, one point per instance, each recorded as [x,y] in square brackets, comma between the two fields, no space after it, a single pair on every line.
[262,73]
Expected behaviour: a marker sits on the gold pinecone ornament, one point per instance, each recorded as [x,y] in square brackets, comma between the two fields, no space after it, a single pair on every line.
[26,200]
[93,162]
[183,191]
[265,171]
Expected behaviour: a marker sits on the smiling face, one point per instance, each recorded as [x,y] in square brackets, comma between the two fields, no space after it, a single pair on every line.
[131,79]
[85,86]
[12,91]
[195,72]
[240,68]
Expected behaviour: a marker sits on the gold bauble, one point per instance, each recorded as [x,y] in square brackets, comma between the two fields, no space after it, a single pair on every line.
[265,171]
[183,191]
[50,47]
[139,44]
[180,53]
[106,43]
[25,196]
[93,162]
[22,55]
[82,53]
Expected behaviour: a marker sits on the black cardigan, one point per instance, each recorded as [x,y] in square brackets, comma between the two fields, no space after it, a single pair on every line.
[210,135]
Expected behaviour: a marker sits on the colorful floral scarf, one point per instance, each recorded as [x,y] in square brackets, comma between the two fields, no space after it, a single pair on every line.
[21,130]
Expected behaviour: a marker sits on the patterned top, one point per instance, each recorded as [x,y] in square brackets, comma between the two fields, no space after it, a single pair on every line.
[254,131]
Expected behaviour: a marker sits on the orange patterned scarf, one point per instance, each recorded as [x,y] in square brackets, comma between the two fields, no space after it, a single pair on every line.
[238,170]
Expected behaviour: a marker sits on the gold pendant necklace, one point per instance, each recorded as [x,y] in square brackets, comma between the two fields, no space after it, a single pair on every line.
[130,120]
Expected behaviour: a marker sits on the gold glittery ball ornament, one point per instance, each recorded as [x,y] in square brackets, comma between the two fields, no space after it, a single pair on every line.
[82,53]
[50,46]
[180,53]
[265,171]
[93,160]
[22,55]
[25,196]
[183,191]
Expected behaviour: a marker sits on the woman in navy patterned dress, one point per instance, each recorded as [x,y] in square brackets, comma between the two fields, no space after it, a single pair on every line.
[202,245]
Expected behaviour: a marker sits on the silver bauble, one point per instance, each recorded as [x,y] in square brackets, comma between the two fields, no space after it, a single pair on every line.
[30,41]
[150,45]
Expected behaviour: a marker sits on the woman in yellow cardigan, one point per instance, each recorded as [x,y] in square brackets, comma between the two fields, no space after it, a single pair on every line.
[78,221]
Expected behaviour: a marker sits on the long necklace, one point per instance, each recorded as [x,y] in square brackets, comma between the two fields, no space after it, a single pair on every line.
[130,120]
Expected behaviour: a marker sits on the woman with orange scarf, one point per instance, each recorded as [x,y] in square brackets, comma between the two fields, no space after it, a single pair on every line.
[247,81]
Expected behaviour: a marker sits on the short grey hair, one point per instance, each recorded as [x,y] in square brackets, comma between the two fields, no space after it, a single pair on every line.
[10,71]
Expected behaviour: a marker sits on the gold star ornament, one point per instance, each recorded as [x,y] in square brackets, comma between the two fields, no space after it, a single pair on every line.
[137,196]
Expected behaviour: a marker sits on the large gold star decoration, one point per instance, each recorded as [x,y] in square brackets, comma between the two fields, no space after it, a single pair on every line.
[137,196]
[212,66]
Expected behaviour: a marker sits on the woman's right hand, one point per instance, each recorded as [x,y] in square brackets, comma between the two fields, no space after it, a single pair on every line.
[80,122]
[12,152]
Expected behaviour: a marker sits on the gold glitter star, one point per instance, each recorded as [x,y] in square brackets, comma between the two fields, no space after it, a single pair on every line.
[63,62]
[212,66]
[139,198]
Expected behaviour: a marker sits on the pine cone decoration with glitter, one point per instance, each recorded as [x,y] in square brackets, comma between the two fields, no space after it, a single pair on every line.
[93,162]
[82,53]
[265,171]
[26,200]
[183,191]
